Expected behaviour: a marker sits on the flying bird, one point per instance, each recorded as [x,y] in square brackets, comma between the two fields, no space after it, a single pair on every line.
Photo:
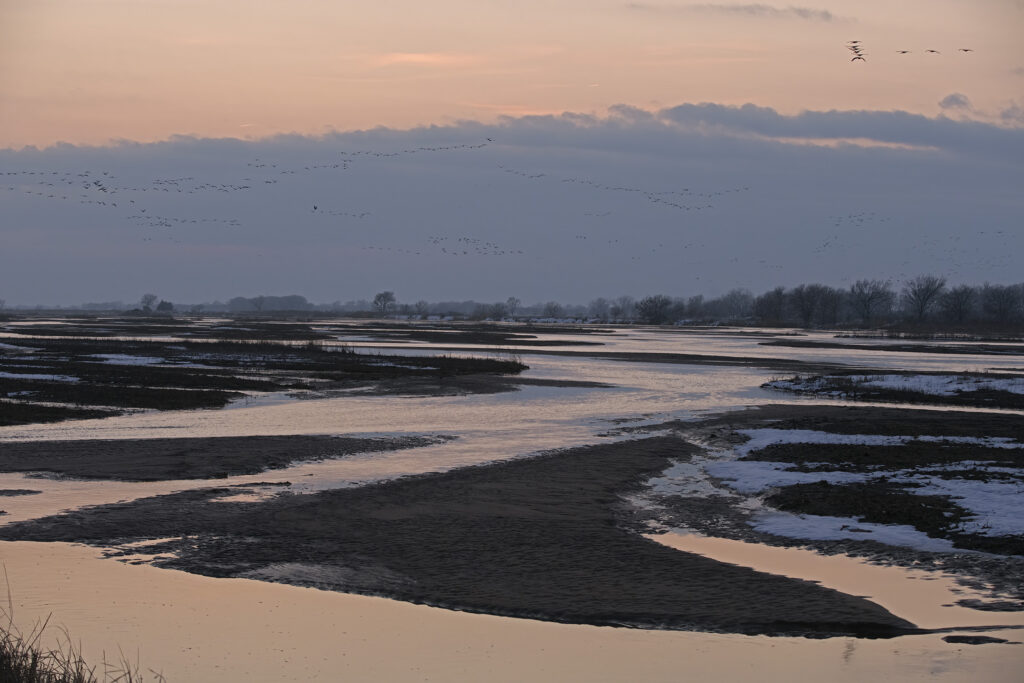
[935,52]
[966,49]
[903,52]
[858,57]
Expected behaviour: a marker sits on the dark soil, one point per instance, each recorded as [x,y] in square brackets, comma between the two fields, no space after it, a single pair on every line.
[468,333]
[1001,574]
[210,374]
[867,420]
[975,640]
[849,389]
[27,413]
[187,458]
[854,458]
[973,349]
[546,537]
[883,502]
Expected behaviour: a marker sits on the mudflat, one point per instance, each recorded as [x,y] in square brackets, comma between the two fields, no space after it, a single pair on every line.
[187,458]
[547,537]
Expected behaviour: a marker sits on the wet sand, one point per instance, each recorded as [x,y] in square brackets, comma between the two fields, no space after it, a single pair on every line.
[194,628]
[187,458]
[546,537]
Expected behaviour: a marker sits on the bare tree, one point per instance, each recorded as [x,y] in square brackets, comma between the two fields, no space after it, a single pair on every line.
[623,308]
[553,309]
[383,301]
[957,303]
[654,310]
[598,308]
[829,304]
[770,307]
[422,308]
[806,299]
[511,305]
[695,306]
[3,302]
[870,298]
[736,303]
[1001,303]
[921,294]
[147,301]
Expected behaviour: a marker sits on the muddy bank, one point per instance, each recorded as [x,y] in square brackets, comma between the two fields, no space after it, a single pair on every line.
[493,334]
[187,458]
[48,379]
[780,364]
[858,420]
[972,349]
[446,386]
[973,390]
[891,484]
[547,537]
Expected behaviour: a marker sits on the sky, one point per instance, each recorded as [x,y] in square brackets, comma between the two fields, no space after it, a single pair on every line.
[570,148]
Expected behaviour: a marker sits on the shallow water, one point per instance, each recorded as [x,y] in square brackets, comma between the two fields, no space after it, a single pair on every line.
[181,620]
[194,628]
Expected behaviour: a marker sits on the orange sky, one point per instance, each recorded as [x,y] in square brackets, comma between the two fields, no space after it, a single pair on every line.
[88,71]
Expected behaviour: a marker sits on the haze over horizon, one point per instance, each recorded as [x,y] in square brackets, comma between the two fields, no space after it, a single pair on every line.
[563,151]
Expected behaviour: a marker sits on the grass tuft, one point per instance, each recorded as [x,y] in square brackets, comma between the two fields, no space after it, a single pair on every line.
[24,659]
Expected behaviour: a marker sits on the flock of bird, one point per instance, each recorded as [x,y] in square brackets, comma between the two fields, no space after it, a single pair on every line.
[845,226]
[674,199]
[160,209]
[855,47]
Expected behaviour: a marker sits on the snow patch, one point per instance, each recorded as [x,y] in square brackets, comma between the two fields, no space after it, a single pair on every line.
[821,528]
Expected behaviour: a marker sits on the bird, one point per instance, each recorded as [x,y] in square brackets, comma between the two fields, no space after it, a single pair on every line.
[903,52]
[936,52]
[966,49]
[858,57]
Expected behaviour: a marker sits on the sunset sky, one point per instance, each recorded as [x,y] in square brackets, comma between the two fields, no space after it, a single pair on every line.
[649,94]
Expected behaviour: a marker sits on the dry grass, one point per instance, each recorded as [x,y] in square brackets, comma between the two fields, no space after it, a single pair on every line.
[25,659]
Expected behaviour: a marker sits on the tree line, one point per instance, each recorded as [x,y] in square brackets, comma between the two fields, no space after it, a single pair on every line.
[921,302]
[926,300]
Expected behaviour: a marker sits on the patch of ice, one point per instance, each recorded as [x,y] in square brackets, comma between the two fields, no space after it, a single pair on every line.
[48,378]
[934,385]
[754,476]
[821,528]
[760,438]
[995,505]
[125,359]
[686,479]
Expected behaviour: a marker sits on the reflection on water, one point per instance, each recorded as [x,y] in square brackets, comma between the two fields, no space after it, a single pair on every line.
[197,628]
[194,628]
[924,598]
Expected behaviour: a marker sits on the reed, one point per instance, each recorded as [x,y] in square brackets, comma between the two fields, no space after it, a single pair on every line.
[25,659]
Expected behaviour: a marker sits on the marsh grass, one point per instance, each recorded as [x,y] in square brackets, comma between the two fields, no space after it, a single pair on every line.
[24,658]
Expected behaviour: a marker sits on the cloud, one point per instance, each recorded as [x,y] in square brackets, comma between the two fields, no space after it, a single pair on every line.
[955,101]
[970,138]
[426,59]
[1013,114]
[748,10]
[697,198]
